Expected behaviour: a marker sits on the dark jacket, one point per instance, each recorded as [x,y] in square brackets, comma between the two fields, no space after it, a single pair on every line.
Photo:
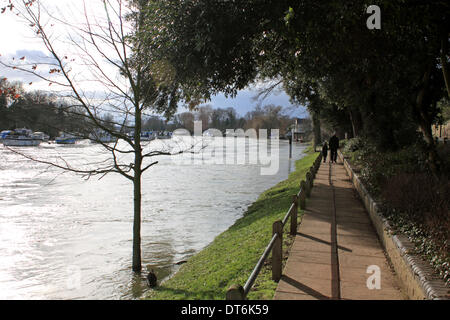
[324,149]
[334,143]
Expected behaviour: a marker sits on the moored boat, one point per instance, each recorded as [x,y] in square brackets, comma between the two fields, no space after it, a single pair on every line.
[65,139]
[20,138]
[40,136]
[148,135]
[4,133]
[164,135]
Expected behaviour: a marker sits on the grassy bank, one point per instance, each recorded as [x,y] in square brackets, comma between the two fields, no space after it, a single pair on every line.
[231,257]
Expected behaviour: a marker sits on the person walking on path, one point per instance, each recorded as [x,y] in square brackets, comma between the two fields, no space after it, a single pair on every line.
[325,151]
[334,146]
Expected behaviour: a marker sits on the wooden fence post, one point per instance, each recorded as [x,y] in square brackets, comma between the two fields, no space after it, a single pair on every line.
[302,201]
[318,161]
[308,184]
[294,215]
[235,292]
[277,251]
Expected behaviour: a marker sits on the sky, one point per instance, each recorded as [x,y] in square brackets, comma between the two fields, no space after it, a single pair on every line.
[245,102]
[18,40]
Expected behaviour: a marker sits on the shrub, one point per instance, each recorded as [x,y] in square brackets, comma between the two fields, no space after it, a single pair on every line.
[342,143]
[418,204]
[352,145]
[444,154]
[415,203]
[418,195]
[378,167]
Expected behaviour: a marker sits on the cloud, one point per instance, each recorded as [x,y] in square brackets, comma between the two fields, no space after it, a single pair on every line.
[17,75]
[36,61]
[34,56]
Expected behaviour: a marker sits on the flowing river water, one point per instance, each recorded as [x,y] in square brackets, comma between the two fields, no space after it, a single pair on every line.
[65,237]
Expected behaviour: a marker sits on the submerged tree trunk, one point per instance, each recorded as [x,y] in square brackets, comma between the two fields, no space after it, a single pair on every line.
[137,266]
[137,223]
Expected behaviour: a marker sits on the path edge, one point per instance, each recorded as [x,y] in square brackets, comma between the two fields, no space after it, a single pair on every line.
[416,276]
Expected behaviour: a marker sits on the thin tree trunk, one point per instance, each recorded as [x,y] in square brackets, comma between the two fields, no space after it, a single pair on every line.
[424,122]
[433,157]
[137,223]
[316,129]
[356,120]
[444,49]
[137,192]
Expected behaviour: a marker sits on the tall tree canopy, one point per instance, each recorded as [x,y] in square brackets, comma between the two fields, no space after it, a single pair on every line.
[386,81]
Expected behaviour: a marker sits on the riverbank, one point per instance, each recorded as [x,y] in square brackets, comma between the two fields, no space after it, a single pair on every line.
[231,257]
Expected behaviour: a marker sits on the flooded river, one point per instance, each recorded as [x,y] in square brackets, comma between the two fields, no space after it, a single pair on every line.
[65,237]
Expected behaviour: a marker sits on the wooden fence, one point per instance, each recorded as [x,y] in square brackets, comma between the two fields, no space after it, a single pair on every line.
[237,292]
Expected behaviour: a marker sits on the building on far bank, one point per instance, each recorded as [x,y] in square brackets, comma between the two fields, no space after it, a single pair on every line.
[300,129]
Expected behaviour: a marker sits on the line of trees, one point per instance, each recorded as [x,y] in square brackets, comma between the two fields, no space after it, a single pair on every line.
[267,117]
[40,111]
[46,112]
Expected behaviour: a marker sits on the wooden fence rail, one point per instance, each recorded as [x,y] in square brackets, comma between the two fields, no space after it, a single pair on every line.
[237,292]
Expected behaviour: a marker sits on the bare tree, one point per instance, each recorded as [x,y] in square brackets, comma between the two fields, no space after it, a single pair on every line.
[101,53]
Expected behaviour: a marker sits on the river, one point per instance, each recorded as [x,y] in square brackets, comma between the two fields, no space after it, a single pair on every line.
[65,237]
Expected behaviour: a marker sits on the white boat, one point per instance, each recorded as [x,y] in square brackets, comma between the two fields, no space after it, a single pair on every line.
[152,135]
[5,133]
[148,136]
[164,135]
[40,136]
[65,139]
[20,138]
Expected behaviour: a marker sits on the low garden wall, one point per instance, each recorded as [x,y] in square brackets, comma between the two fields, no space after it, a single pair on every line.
[416,275]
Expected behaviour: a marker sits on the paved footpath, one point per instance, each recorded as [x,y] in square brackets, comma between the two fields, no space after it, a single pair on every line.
[334,247]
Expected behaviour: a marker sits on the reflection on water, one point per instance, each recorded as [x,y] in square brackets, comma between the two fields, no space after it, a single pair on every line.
[64,237]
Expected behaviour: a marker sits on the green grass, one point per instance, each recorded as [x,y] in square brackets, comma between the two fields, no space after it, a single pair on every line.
[231,257]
